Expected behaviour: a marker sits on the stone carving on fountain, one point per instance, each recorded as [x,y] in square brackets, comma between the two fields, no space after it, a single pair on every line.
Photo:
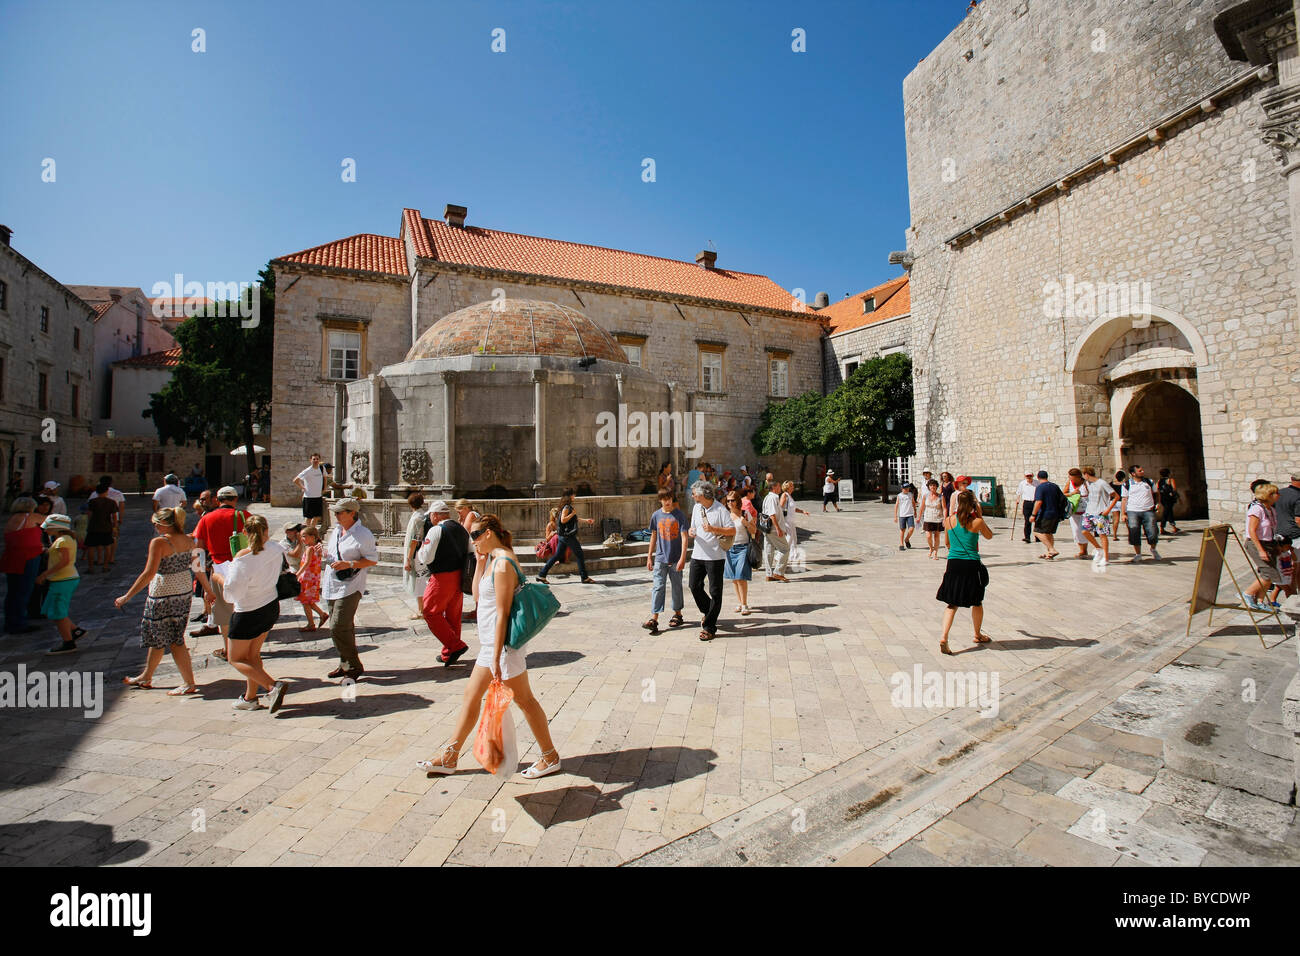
[414,466]
[360,471]
[583,464]
[496,465]
[647,463]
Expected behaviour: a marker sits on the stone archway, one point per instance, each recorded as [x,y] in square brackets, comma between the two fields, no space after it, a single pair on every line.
[1161,428]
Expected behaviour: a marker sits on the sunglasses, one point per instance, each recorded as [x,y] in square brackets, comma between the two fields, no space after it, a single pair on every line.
[475,535]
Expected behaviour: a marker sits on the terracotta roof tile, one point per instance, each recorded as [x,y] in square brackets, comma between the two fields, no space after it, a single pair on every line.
[893,298]
[168,358]
[100,308]
[365,252]
[552,258]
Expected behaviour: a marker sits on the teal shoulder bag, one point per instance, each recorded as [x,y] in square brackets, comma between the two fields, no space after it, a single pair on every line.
[531,610]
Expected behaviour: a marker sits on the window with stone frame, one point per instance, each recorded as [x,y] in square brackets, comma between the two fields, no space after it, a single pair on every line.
[633,347]
[45,318]
[4,296]
[711,379]
[42,390]
[344,354]
[778,375]
[76,400]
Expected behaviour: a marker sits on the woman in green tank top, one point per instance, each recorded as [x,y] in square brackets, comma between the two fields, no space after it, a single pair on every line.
[965,577]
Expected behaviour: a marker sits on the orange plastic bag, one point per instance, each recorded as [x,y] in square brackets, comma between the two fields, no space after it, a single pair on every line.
[494,743]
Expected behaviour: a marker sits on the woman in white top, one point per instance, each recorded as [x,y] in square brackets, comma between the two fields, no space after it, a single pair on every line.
[787,502]
[932,516]
[737,569]
[1076,485]
[496,579]
[828,491]
[1096,516]
[250,585]
[413,583]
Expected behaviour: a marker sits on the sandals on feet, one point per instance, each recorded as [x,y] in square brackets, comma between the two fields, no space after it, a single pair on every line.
[676,620]
[434,768]
[651,625]
[184,691]
[705,636]
[536,770]
[219,653]
[137,682]
[983,639]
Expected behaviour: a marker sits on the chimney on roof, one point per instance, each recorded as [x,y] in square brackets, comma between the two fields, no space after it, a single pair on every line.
[822,300]
[706,259]
[5,233]
[455,215]
[115,295]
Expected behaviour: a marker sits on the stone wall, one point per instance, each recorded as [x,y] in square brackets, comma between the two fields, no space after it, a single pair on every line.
[1198,218]
[60,433]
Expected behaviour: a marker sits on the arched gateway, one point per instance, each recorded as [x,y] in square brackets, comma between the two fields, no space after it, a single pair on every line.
[1136,399]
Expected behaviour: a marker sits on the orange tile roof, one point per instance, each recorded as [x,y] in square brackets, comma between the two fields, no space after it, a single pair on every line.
[893,298]
[552,258]
[100,308]
[365,252]
[169,358]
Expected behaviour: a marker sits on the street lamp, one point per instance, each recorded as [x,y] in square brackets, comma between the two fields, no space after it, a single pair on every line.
[884,472]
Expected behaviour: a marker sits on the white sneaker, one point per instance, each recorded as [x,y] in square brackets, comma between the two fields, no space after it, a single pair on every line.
[1137,558]
[1155,555]
[242,704]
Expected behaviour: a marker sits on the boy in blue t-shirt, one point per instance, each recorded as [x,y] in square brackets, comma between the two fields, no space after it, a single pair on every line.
[666,558]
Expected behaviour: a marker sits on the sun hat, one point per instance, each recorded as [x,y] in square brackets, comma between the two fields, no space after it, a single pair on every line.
[56,523]
[225,491]
[51,484]
[439,508]
[345,504]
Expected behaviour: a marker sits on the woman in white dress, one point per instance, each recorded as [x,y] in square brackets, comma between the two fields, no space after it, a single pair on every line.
[496,578]
[414,583]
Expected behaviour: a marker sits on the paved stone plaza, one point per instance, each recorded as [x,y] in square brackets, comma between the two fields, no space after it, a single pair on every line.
[776,743]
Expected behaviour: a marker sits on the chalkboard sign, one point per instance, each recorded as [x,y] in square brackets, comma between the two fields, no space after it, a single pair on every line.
[845,486]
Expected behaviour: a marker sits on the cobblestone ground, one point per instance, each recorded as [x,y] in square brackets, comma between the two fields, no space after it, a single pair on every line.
[776,742]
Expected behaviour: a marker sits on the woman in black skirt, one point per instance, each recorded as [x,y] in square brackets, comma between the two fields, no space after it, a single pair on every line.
[965,577]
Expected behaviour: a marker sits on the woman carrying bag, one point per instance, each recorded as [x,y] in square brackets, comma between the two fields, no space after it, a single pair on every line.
[497,579]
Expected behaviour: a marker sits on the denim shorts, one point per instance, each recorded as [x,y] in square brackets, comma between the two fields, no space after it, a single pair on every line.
[907,522]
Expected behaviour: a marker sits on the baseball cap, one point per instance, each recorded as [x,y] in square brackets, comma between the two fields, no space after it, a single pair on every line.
[225,491]
[439,507]
[345,504]
[297,526]
[171,478]
[49,485]
[960,479]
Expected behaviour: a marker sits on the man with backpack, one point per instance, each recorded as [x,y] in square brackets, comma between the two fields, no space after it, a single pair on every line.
[442,553]
[1138,507]
[214,534]
[1049,509]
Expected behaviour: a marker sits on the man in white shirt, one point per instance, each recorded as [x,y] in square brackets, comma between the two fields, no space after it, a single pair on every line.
[776,545]
[1025,492]
[120,498]
[350,549]
[443,553]
[711,531]
[312,482]
[170,495]
[57,505]
[1138,508]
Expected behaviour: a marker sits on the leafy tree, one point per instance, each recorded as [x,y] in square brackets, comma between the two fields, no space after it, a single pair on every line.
[792,427]
[222,385]
[855,417]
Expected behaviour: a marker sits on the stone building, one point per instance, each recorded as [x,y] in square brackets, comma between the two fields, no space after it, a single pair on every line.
[724,342]
[1104,208]
[47,350]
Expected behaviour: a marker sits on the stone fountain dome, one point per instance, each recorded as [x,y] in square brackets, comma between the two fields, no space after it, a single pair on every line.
[517,327]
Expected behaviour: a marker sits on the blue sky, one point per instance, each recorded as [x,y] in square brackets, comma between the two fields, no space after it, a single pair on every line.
[209,164]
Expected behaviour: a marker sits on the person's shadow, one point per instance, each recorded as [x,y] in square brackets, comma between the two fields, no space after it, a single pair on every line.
[638,768]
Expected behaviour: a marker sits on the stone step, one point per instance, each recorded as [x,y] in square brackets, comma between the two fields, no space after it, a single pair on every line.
[1265,731]
[1210,740]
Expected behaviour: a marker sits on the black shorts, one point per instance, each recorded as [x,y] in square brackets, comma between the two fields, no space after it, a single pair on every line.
[99,539]
[828,497]
[932,527]
[248,625]
[313,507]
[1046,525]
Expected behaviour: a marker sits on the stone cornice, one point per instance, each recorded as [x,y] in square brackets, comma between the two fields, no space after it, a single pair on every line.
[1257,31]
[27,265]
[1281,129]
[309,269]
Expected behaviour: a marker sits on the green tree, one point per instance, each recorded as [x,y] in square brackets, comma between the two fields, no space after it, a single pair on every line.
[856,417]
[792,427]
[222,386]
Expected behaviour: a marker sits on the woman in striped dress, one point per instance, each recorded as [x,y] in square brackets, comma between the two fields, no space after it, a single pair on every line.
[169,575]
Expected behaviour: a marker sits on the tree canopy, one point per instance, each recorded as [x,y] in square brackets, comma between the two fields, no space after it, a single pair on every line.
[855,417]
[222,385]
[792,427]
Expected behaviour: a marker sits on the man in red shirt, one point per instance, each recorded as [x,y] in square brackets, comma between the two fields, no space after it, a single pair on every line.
[212,534]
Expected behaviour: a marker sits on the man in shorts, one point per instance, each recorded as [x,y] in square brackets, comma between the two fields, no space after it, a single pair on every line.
[212,534]
[1049,509]
[312,482]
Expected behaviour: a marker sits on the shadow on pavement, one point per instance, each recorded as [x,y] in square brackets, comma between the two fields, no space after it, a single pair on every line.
[64,843]
[638,768]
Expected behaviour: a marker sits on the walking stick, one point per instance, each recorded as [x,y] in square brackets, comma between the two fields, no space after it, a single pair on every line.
[1015,515]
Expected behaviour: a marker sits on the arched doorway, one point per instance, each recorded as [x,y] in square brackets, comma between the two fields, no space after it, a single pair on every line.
[1135,388]
[1161,428]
